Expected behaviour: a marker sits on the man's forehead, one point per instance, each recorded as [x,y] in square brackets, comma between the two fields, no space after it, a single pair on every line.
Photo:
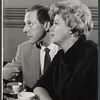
[31,14]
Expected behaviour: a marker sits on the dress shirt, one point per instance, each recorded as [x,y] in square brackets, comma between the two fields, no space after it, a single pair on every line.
[53,50]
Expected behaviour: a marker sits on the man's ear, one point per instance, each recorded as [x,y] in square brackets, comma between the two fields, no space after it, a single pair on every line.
[46,26]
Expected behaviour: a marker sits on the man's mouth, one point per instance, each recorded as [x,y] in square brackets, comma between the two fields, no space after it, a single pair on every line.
[29,37]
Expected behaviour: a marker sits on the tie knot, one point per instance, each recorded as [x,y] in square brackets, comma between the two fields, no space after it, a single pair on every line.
[47,50]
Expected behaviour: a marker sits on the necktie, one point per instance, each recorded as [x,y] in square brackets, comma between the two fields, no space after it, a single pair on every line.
[47,59]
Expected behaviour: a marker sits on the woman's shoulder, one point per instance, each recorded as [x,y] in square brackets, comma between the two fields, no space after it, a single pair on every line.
[90,44]
[58,53]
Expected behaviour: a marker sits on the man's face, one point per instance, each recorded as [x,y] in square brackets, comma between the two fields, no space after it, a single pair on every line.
[34,30]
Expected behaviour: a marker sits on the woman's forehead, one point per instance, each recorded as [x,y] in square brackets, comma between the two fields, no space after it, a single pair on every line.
[58,17]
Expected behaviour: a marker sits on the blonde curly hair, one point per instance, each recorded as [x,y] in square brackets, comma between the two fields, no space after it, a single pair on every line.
[76,14]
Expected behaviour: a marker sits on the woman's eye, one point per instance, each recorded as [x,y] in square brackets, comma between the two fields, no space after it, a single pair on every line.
[56,23]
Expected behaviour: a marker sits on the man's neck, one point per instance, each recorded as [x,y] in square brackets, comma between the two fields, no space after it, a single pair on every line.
[47,40]
[46,44]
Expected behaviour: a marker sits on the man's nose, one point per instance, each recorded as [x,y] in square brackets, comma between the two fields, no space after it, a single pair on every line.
[25,29]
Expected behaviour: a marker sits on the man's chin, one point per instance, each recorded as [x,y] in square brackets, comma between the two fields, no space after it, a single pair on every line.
[33,42]
[38,42]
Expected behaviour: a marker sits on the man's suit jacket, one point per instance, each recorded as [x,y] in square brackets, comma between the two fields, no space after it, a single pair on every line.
[26,60]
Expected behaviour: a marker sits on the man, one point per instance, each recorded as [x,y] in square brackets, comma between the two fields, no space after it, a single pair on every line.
[29,58]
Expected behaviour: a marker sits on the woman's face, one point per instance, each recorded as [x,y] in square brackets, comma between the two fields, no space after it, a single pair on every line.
[59,30]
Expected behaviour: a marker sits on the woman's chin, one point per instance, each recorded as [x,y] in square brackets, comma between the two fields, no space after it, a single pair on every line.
[54,42]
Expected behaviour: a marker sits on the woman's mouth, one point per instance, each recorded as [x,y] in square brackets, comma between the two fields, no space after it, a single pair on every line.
[52,35]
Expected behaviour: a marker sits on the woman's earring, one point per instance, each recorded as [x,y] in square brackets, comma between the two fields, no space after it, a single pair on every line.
[47,26]
[70,32]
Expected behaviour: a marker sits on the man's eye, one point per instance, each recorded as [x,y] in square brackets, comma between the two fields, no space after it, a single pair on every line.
[30,24]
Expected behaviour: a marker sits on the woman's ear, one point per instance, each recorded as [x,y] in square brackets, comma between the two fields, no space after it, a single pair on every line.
[46,26]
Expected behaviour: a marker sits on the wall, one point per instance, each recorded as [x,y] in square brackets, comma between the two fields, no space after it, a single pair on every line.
[27,3]
[14,36]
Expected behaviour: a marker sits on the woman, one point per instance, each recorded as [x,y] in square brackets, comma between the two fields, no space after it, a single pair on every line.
[72,74]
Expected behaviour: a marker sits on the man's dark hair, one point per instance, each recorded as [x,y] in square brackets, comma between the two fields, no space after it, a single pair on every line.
[42,12]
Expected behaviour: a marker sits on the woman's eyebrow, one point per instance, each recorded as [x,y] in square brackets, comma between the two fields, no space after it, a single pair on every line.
[56,20]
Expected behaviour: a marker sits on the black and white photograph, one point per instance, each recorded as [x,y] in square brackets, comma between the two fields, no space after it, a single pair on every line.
[50,50]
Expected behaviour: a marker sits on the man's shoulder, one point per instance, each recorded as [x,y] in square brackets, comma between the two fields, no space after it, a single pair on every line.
[27,46]
[25,43]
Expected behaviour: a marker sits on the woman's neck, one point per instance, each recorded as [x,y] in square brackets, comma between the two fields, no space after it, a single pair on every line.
[68,43]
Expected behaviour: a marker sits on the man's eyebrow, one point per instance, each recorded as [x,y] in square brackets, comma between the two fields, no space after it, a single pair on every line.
[27,21]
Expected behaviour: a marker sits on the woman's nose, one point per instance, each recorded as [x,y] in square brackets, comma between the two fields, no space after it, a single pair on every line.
[51,29]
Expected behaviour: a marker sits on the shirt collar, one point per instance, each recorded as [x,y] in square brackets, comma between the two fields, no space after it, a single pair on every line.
[51,46]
